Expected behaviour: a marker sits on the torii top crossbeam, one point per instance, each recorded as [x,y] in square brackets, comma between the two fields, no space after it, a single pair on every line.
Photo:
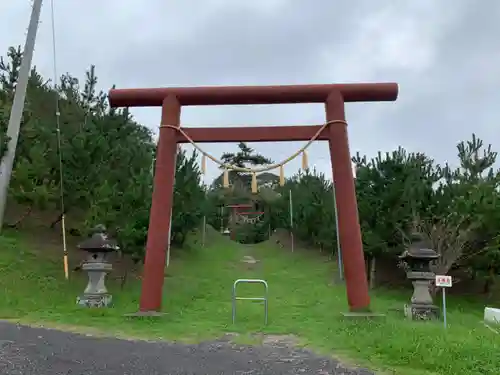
[228,95]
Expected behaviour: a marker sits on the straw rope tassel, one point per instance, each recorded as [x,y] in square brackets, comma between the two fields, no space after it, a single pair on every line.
[254,183]
[304,160]
[282,175]
[225,182]
[203,164]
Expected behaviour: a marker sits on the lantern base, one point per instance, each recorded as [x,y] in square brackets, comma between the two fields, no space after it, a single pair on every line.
[95,300]
[415,311]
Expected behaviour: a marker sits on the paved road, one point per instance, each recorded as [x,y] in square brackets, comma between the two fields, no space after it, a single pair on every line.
[35,351]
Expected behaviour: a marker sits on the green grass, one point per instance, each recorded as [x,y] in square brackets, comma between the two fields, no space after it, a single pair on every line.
[197,304]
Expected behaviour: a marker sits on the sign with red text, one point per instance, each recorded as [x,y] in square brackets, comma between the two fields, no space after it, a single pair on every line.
[443,281]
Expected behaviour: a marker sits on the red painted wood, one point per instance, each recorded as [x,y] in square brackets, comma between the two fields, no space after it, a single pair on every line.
[351,244]
[253,134]
[161,208]
[173,98]
[232,95]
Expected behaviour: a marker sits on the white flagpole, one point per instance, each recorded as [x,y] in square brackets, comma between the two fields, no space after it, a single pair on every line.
[170,226]
[291,220]
[339,252]
[204,228]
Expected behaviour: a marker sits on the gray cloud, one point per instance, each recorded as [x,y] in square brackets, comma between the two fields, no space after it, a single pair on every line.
[443,54]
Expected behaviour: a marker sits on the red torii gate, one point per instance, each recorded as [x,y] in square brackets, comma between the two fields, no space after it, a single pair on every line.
[235,210]
[172,99]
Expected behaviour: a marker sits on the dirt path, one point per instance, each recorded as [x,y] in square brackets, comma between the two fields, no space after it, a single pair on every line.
[35,351]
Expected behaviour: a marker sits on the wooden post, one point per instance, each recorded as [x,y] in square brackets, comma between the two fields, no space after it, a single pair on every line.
[349,234]
[161,208]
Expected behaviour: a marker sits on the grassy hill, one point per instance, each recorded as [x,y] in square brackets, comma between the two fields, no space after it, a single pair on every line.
[197,303]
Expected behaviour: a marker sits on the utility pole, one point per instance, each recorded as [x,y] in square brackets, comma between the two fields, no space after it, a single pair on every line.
[16,112]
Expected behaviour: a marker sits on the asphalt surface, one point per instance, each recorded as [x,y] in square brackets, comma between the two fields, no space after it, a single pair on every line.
[37,351]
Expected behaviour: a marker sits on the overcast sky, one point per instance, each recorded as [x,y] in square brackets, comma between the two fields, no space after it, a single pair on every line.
[444,54]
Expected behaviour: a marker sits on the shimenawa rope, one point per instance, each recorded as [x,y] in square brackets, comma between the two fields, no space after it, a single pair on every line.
[255,170]
[248,220]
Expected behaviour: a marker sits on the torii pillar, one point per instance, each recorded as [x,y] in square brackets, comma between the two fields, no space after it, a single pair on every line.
[334,96]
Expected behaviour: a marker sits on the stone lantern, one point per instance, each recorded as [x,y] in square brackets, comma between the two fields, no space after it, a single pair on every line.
[99,245]
[418,258]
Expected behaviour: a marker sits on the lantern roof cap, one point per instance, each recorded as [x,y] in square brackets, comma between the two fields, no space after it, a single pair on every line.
[99,241]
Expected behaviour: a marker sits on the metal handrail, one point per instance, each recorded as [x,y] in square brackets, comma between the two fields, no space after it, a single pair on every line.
[264,299]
